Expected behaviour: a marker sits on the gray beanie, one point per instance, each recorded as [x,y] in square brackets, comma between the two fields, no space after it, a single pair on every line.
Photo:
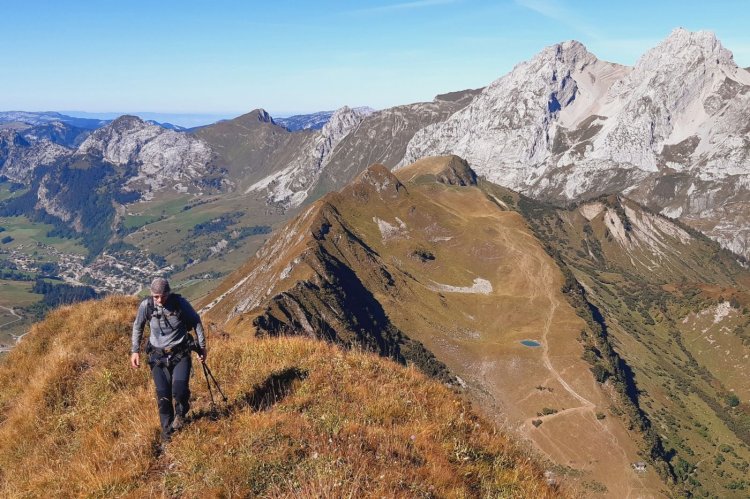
[159,286]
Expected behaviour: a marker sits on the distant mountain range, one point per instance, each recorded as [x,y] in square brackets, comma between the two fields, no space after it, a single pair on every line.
[23,117]
[314,121]
[563,127]
[16,119]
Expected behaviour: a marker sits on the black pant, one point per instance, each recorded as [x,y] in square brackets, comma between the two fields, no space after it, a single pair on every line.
[171,382]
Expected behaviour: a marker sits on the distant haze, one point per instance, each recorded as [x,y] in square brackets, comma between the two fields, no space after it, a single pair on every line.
[186,120]
[181,119]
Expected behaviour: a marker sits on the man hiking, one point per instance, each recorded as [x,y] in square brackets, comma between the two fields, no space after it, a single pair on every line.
[170,316]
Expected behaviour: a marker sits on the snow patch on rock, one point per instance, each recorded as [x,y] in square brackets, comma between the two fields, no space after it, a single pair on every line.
[591,210]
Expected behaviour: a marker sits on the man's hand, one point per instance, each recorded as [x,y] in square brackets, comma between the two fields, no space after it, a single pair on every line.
[203,354]
[135,360]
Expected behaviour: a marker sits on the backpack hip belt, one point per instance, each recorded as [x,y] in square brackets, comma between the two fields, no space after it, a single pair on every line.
[165,356]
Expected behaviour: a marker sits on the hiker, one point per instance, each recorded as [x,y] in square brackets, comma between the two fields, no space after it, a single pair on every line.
[170,316]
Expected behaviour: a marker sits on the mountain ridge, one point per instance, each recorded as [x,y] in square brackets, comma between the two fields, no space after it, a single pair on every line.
[452,261]
[413,249]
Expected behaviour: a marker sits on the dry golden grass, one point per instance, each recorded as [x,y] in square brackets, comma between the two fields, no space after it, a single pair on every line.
[75,420]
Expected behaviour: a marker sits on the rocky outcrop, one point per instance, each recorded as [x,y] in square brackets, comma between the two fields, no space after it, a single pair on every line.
[382,138]
[163,158]
[504,133]
[291,185]
[314,121]
[19,157]
[57,132]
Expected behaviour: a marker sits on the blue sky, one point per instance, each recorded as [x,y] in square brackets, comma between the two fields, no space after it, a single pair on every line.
[228,57]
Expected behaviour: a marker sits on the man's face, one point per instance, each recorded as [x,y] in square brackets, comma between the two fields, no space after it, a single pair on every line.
[160,299]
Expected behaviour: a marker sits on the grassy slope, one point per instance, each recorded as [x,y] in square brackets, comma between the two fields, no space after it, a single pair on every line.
[250,149]
[76,420]
[660,305]
[170,234]
[27,234]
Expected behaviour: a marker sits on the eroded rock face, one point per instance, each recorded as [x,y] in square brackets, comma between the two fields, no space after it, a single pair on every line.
[292,185]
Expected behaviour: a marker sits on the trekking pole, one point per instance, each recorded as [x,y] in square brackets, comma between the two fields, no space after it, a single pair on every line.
[208,373]
[208,383]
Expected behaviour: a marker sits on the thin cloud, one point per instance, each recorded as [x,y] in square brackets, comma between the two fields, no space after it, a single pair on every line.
[558,11]
[417,4]
[620,50]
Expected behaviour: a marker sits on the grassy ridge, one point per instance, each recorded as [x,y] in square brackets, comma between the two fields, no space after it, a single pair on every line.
[304,418]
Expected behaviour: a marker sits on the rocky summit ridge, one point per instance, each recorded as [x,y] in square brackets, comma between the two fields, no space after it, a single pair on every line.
[291,186]
[671,132]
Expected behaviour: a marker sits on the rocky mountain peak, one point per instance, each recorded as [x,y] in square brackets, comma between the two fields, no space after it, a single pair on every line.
[509,122]
[264,116]
[568,52]
[554,64]
[164,157]
[676,89]
[343,119]
[253,118]
[261,115]
[683,45]
[377,181]
[126,122]
[565,125]
[684,57]
[119,140]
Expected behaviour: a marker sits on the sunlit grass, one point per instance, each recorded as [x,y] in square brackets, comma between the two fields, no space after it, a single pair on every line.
[76,420]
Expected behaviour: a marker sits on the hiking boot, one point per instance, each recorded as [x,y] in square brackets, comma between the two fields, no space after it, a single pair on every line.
[178,422]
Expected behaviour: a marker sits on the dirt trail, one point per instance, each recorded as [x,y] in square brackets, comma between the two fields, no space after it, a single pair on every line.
[12,312]
[17,318]
[542,278]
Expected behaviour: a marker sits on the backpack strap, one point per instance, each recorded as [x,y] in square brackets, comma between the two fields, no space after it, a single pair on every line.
[150,308]
[177,300]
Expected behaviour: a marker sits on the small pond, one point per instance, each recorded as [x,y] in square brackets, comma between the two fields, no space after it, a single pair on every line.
[531,343]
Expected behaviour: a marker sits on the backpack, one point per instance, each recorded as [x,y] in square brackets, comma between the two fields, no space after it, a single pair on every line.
[179,312]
